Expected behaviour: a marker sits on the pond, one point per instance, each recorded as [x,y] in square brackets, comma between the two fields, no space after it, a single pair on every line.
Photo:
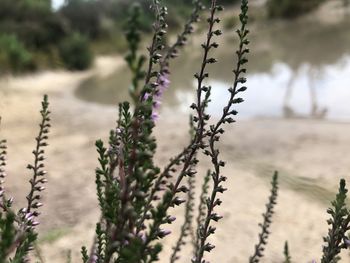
[296,69]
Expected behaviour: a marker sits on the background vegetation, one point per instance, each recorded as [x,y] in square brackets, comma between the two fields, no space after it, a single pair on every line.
[34,36]
[291,8]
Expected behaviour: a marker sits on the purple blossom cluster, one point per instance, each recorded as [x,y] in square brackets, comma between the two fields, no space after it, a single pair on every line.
[163,84]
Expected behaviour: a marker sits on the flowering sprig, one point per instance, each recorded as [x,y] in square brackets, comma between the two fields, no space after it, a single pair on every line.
[286,253]
[201,211]
[37,168]
[28,215]
[159,28]
[170,197]
[187,226]
[339,222]
[3,153]
[135,61]
[206,229]
[127,170]
[7,217]
[173,50]
[163,81]
[265,232]
[5,203]
[17,231]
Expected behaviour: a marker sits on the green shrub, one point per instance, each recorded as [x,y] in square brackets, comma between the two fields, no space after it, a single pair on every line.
[75,52]
[32,21]
[291,8]
[14,56]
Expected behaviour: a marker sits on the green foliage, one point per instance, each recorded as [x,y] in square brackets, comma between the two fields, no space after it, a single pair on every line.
[84,16]
[93,13]
[7,233]
[32,21]
[287,257]
[134,61]
[339,225]
[36,28]
[84,253]
[291,8]
[13,55]
[17,230]
[75,52]
[265,232]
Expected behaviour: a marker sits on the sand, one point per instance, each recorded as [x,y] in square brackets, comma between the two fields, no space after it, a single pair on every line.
[311,155]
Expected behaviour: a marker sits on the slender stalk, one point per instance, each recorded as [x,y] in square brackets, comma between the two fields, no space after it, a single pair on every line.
[264,234]
[201,211]
[187,225]
[199,135]
[215,131]
[38,166]
[181,40]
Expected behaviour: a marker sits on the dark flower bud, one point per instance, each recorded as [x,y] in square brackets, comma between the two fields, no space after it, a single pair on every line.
[208,247]
[220,189]
[215,45]
[242,89]
[230,120]
[211,229]
[162,233]
[215,217]
[183,189]
[217,202]
[157,56]
[193,106]
[238,100]
[217,32]
[170,219]
[178,201]
[37,205]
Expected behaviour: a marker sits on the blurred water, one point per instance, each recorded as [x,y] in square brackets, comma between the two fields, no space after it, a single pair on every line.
[56,4]
[299,69]
[266,94]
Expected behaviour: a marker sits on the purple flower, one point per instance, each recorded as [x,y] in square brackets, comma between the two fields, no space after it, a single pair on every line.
[163,84]
[93,259]
[347,242]
[155,115]
[164,81]
[162,233]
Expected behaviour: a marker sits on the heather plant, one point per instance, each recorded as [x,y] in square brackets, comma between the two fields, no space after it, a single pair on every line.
[18,229]
[135,195]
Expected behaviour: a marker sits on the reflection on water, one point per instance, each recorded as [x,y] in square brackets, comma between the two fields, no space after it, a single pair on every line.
[267,91]
[299,69]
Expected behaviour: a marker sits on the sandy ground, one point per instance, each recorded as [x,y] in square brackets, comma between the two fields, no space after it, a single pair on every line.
[311,156]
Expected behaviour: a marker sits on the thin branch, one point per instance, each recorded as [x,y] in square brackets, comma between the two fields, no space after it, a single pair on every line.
[264,234]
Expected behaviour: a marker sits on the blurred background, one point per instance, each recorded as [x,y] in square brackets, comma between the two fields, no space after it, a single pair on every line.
[295,118]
